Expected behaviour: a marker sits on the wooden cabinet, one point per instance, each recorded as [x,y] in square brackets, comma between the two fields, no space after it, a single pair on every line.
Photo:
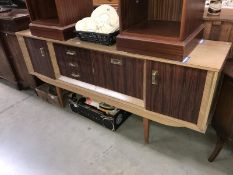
[39,54]
[74,62]
[175,91]
[119,73]
[163,28]
[56,18]
[6,70]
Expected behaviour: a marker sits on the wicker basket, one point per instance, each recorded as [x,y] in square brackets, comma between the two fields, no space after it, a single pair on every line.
[104,39]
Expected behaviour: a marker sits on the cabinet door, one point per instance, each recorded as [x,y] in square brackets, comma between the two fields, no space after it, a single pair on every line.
[39,54]
[175,91]
[6,70]
[74,62]
[118,73]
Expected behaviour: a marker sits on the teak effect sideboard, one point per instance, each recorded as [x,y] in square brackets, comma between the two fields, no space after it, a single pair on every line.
[173,93]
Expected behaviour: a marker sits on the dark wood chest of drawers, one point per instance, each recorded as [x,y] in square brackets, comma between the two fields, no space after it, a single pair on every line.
[12,65]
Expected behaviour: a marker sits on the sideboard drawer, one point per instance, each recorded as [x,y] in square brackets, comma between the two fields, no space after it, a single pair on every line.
[74,62]
[119,73]
[39,54]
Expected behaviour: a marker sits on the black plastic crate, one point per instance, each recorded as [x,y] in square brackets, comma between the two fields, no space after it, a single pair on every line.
[111,122]
[104,39]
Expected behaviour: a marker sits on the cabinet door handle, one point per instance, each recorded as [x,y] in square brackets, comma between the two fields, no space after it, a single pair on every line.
[73,65]
[70,52]
[155,75]
[116,61]
[75,75]
[42,52]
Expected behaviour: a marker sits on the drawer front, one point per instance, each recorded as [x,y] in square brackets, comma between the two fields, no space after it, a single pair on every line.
[39,54]
[74,62]
[118,73]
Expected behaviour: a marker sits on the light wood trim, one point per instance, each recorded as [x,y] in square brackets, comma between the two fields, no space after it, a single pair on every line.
[53,59]
[26,56]
[212,61]
[208,95]
[121,104]
[109,93]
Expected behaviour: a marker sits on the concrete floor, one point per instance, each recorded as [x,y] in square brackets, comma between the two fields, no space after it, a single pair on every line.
[39,139]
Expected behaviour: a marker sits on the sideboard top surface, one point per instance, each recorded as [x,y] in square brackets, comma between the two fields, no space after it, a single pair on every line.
[209,55]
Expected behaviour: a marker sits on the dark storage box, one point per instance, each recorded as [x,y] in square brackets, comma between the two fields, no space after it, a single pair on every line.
[48,93]
[111,122]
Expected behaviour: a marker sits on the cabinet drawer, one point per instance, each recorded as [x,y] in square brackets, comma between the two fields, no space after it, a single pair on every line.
[74,62]
[39,54]
[118,73]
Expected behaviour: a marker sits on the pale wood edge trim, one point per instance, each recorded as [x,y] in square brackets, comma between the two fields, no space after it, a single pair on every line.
[140,111]
[96,47]
[25,53]
[100,90]
[53,59]
[208,95]
[144,80]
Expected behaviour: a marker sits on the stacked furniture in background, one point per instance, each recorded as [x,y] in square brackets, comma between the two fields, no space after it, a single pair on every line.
[163,28]
[220,28]
[12,65]
[56,18]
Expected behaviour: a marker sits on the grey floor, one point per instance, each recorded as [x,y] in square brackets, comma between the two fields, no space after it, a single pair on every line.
[39,139]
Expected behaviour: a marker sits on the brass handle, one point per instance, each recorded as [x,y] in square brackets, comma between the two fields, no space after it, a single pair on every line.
[42,52]
[75,75]
[70,52]
[155,75]
[116,61]
[73,65]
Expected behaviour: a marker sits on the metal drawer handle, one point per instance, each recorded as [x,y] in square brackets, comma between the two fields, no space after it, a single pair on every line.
[42,52]
[75,75]
[116,61]
[155,76]
[73,65]
[70,52]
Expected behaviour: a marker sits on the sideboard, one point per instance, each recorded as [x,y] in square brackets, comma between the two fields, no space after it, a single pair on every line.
[169,92]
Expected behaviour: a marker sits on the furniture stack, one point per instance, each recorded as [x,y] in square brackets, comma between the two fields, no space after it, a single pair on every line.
[219,28]
[12,65]
[56,18]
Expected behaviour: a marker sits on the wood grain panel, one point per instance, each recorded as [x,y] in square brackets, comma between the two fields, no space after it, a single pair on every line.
[192,17]
[126,78]
[77,66]
[132,12]
[39,54]
[178,93]
[6,70]
[15,57]
[70,11]
[168,10]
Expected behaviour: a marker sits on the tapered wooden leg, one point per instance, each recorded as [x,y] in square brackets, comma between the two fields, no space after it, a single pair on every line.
[146,124]
[59,94]
[219,145]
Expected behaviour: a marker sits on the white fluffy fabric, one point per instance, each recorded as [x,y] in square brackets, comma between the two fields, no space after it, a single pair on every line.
[104,19]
